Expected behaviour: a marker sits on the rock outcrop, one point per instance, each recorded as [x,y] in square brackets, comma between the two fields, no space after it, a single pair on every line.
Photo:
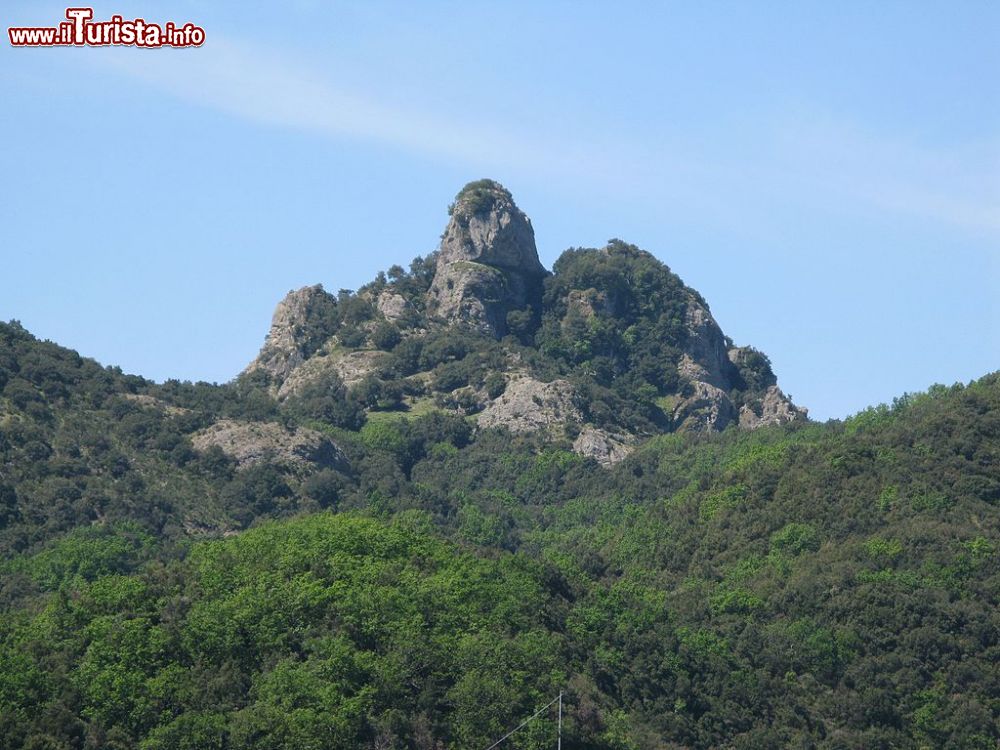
[607,310]
[250,443]
[705,358]
[351,367]
[705,408]
[393,306]
[714,369]
[602,446]
[299,327]
[528,404]
[773,408]
[488,265]
[707,372]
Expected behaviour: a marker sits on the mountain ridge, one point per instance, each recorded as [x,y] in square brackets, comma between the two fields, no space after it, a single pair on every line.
[613,318]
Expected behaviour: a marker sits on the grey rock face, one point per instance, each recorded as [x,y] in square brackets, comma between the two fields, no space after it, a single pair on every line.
[393,306]
[253,442]
[528,404]
[705,359]
[296,332]
[707,368]
[487,227]
[602,446]
[714,369]
[774,408]
[708,409]
[473,294]
[350,367]
[488,264]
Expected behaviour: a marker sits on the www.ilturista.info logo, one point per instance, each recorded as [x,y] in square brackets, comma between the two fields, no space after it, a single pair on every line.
[81,30]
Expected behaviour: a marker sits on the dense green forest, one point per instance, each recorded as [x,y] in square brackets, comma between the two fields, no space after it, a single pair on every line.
[806,585]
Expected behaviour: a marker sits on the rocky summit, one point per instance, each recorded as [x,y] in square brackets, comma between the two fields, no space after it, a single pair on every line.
[292,338]
[488,266]
[606,350]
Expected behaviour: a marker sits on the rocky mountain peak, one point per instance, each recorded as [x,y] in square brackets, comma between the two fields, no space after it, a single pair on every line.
[488,264]
[299,327]
[608,349]
[487,227]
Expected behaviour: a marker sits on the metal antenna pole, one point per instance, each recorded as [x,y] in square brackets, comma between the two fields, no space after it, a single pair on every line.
[559,742]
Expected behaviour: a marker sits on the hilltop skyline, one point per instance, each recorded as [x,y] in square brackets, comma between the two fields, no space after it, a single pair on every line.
[827,181]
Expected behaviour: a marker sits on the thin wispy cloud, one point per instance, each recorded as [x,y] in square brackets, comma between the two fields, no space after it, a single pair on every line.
[268,89]
[823,160]
[958,186]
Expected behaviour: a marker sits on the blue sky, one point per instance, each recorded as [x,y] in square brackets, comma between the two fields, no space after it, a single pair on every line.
[826,174]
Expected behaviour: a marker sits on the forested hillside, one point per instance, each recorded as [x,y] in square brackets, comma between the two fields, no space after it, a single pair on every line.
[200,566]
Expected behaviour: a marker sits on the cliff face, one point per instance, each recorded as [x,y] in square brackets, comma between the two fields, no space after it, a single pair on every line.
[298,327]
[611,347]
[713,369]
[488,265]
